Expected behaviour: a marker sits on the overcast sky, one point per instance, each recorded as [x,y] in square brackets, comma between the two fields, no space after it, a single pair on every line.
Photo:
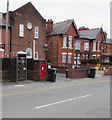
[88,13]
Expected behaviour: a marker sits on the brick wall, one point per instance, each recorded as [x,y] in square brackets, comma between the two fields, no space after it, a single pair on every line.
[77,73]
[24,15]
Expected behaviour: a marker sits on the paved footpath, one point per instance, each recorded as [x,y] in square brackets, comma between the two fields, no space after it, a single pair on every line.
[65,98]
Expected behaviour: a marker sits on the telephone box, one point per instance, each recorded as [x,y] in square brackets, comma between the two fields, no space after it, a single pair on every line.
[18,66]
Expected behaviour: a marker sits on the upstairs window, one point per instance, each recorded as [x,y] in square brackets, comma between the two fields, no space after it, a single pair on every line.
[21,30]
[94,46]
[36,33]
[86,46]
[104,49]
[64,41]
[77,45]
[70,38]
[98,46]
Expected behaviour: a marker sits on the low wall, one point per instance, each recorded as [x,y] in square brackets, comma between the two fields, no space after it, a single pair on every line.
[34,70]
[77,73]
[5,74]
[61,69]
[108,71]
[100,67]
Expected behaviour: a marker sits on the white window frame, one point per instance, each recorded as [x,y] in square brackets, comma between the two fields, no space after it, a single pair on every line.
[98,46]
[77,44]
[36,33]
[86,45]
[70,41]
[21,30]
[64,57]
[94,45]
[69,57]
[0,36]
[64,41]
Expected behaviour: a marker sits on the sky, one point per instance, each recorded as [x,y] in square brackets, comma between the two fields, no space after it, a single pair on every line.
[88,13]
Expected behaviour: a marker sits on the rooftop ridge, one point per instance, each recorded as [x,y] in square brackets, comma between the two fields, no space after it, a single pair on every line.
[90,29]
[64,21]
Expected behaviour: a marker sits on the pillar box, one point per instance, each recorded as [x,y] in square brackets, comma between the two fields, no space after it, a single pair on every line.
[37,69]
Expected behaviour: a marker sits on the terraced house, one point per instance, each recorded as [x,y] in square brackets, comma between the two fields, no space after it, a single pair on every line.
[66,44]
[61,38]
[99,46]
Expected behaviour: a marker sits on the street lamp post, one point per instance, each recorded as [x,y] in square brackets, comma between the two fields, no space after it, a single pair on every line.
[7,24]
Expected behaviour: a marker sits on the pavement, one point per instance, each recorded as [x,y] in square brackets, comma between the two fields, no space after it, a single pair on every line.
[65,98]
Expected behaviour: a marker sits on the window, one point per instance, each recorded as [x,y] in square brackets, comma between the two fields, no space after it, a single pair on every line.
[36,33]
[69,57]
[70,41]
[77,59]
[64,57]
[36,55]
[86,46]
[98,46]
[77,45]
[64,41]
[21,30]
[104,49]
[94,56]
[85,56]
[94,46]
[29,52]
[0,36]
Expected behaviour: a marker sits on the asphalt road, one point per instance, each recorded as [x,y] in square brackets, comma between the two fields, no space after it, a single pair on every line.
[66,98]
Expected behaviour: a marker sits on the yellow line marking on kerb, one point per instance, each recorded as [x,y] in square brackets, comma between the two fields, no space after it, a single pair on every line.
[52,88]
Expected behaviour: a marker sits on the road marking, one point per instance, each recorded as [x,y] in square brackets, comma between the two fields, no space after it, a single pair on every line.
[19,85]
[52,88]
[47,105]
[98,75]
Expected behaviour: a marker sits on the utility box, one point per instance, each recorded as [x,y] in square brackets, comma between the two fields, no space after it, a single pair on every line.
[37,69]
[18,66]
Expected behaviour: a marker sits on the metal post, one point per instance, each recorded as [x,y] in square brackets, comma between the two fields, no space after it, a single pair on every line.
[34,45]
[7,24]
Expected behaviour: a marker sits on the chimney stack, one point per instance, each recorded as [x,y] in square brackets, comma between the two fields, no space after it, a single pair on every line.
[83,28]
[49,26]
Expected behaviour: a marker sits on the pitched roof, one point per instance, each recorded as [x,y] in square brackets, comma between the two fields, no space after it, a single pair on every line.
[62,27]
[90,33]
[29,5]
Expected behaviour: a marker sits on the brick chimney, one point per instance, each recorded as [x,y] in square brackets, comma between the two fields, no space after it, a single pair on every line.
[83,28]
[49,26]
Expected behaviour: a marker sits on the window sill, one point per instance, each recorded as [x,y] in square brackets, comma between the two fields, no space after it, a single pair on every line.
[64,47]
[77,49]
[70,48]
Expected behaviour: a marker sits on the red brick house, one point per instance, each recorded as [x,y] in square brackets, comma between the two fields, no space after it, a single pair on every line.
[107,50]
[28,31]
[61,38]
[97,41]
[3,37]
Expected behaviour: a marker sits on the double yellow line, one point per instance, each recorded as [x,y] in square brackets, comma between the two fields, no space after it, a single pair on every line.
[52,88]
